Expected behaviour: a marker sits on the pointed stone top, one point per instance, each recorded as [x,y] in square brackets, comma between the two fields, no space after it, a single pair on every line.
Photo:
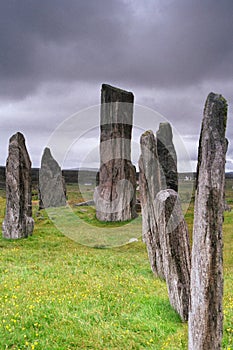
[148,142]
[47,152]
[215,112]
[48,161]
[165,132]
[147,137]
[17,137]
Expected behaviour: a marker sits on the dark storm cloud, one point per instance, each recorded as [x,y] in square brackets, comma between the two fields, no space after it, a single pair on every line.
[54,55]
[56,40]
[156,43]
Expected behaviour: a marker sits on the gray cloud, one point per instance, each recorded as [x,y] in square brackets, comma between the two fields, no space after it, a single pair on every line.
[172,43]
[55,55]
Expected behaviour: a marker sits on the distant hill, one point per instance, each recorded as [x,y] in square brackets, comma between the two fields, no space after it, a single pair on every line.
[87,175]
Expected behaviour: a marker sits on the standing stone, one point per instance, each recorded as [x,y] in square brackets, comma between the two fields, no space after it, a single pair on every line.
[167,156]
[206,314]
[115,196]
[174,240]
[52,191]
[149,186]
[18,221]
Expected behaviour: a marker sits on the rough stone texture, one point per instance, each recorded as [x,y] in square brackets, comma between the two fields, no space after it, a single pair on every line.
[167,156]
[115,195]
[18,221]
[206,315]
[52,190]
[149,186]
[175,246]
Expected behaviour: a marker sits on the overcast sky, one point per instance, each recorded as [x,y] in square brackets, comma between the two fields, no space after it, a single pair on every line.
[55,54]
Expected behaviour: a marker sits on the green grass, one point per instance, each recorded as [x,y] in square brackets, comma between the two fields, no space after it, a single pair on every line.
[58,294]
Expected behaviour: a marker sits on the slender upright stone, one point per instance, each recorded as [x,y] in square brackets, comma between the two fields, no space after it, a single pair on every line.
[167,156]
[206,314]
[175,246]
[115,195]
[18,221]
[149,186]
[52,191]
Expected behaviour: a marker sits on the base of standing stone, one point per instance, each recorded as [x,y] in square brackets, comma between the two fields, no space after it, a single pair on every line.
[116,200]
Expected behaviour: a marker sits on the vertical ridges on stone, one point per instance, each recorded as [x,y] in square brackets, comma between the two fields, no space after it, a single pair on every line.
[206,315]
[52,191]
[18,222]
[149,186]
[167,156]
[115,195]
[175,247]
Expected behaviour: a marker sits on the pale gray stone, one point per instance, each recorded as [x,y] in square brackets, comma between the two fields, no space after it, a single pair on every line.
[52,190]
[167,156]
[149,186]
[206,313]
[18,222]
[175,247]
[115,195]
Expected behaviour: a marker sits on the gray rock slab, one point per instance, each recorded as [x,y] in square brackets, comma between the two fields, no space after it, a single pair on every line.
[52,190]
[175,246]
[206,313]
[18,222]
[149,186]
[167,156]
[115,195]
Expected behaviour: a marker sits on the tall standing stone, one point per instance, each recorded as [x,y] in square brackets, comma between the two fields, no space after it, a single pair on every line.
[115,196]
[18,222]
[175,247]
[51,183]
[206,314]
[149,185]
[167,156]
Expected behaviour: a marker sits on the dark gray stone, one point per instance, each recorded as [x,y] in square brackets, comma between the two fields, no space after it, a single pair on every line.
[175,247]
[18,222]
[115,195]
[149,186]
[52,190]
[206,314]
[167,156]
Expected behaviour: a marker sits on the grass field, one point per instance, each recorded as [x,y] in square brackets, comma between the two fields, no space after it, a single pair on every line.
[58,294]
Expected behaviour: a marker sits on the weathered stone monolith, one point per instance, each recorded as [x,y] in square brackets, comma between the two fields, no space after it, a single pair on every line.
[18,222]
[175,247]
[206,314]
[167,156]
[52,191]
[149,186]
[115,195]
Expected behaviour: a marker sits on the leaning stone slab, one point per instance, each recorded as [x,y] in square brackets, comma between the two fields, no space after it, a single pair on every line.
[167,156]
[18,222]
[206,314]
[149,186]
[52,190]
[115,195]
[175,246]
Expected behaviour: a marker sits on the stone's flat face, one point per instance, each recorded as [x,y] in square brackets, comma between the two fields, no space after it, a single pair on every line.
[149,186]
[51,183]
[206,315]
[175,247]
[18,222]
[167,156]
[115,195]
